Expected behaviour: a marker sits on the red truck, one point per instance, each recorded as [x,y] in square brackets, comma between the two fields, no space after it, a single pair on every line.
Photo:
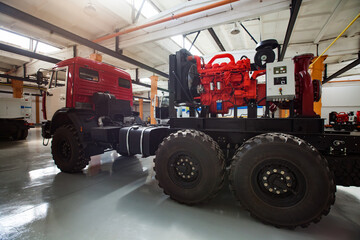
[83,94]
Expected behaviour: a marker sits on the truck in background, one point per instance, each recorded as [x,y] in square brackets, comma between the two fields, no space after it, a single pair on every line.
[14,113]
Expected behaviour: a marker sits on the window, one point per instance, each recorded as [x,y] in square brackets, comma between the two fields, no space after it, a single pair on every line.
[88,74]
[124,83]
[58,78]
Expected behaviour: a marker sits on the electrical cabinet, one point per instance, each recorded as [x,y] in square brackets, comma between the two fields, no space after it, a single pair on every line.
[280,81]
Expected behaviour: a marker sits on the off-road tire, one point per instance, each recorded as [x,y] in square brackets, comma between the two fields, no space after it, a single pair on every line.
[67,150]
[202,167]
[311,191]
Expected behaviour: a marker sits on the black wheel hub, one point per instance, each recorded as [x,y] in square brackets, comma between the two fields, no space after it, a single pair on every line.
[277,180]
[184,170]
[65,150]
[279,183]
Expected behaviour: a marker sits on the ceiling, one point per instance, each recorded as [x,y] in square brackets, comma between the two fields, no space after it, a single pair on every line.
[317,25]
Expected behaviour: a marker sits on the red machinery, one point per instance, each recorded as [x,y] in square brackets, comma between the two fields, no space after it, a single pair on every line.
[342,120]
[225,85]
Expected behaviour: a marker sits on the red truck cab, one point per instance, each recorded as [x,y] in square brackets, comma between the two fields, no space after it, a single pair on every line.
[74,81]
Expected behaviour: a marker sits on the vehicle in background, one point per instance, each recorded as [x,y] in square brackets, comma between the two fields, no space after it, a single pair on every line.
[14,113]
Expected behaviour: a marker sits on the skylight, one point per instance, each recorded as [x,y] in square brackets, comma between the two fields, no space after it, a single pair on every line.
[179,41]
[46,48]
[15,39]
[147,10]
[24,42]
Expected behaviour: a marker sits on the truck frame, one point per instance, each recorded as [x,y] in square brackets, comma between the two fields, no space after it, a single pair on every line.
[284,171]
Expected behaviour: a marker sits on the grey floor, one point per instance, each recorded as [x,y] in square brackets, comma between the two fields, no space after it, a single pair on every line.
[118,198]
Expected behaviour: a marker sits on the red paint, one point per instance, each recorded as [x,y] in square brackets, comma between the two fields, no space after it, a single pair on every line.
[342,117]
[81,90]
[304,103]
[227,84]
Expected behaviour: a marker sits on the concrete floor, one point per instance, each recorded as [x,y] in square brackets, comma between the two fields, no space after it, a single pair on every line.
[118,198]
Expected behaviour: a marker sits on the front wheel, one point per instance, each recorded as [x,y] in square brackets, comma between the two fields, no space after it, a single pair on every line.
[282,180]
[67,150]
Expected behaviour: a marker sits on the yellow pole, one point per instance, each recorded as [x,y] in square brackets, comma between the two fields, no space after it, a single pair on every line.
[153,102]
[336,38]
[316,71]
[141,111]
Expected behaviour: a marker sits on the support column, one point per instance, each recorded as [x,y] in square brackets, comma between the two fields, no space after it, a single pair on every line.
[17,88]
[316,71]
[141,111]
[153,102]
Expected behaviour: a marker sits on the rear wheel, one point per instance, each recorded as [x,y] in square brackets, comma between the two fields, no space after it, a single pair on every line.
[190,166]
[282,180]
[67,150]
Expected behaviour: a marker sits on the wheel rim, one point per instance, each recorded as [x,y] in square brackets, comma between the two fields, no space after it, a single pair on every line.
[279,183]
[65,150]
[184,170]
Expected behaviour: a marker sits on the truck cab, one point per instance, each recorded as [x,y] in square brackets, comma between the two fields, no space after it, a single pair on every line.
[74,81]
[82,97]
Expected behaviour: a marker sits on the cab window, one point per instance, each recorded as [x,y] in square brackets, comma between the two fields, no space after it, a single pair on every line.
[58,78]
[88,74]
[125,83]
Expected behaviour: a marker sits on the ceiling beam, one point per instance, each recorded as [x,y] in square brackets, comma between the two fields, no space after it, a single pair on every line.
[334,14]
[216,39]
[26,53]
[344,69]
[17,14]
[294,10]
[203,20]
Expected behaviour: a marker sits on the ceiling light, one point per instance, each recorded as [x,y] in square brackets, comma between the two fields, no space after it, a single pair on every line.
[89,9]
[235,30]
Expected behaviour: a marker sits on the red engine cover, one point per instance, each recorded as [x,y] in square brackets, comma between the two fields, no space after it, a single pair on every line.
[227,85]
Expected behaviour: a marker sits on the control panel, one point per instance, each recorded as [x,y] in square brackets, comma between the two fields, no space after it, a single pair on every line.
[280,81]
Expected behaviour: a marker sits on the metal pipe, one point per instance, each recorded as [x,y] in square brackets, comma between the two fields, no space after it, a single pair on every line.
[295,7]
[26,53]
[341,71]
[193,42]
[216,39]
[173,17]
[248,33]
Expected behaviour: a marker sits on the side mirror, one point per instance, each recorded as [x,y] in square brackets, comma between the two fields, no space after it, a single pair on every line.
[39,77]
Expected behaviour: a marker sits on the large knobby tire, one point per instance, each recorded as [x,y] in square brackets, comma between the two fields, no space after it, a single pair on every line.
[67,150]
[282,180]
[190,167]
